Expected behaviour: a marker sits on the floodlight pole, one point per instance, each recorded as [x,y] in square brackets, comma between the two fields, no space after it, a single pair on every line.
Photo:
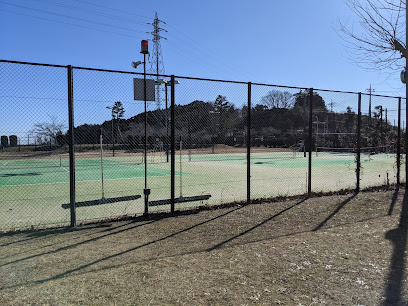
[146,191]
[144,50]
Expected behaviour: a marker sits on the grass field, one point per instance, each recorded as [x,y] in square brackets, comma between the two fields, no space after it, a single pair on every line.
[337,250]
[33,189]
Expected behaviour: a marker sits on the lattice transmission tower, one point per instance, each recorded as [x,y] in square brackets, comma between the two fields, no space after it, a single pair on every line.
[156,59]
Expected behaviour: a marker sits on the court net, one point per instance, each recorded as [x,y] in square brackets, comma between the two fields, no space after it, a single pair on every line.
[15,163]
[387,149]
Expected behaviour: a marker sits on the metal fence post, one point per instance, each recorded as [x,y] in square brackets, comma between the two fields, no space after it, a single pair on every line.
[399,144]
[406,136]
[172,140]
[358,161]
[249,145]
[71,142]
[309,178]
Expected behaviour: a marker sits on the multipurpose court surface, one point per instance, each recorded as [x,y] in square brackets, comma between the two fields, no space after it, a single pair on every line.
[35,188]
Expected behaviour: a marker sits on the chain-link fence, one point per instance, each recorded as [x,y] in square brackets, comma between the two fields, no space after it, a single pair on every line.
[80,144]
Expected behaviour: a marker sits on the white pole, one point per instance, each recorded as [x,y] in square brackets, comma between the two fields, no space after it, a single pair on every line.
[101,141]
[181,175]
[317,132]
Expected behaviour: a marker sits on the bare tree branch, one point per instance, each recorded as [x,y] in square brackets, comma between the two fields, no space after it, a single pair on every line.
[44,131]
[278,99]
[379,42]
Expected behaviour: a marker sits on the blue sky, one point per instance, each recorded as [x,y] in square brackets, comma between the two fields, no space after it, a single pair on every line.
[290,42]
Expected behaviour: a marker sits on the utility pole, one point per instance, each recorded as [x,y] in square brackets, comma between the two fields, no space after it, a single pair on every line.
[331,104]
[370,91]
[156,62]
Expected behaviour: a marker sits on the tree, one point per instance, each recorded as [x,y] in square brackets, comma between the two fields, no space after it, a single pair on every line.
[224,116]
[260,108]
[278,99]
[302,102]
[118,111]
[380,42]
[222,105]
[89,133]
[48,130]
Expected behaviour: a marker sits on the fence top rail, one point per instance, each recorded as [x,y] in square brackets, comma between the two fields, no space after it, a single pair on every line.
[119,71]
[197,78]
[33,64]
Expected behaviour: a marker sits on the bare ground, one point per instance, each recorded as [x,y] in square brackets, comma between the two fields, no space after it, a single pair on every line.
[89,151]
[334,250]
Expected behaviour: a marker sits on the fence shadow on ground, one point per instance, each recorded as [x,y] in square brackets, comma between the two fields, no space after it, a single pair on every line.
[396,274]
[195,232]
[393,201]
[219,245]
[341,205]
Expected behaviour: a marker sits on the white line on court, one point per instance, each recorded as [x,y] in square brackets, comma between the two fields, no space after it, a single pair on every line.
[127,178]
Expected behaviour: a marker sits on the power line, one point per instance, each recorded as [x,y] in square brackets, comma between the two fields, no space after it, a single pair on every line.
[209,52]
[198,60]
[92,12]
[69,23]
[197,53]
[200,48]
[75,18]
[113,9]
[198,57]
[100,23]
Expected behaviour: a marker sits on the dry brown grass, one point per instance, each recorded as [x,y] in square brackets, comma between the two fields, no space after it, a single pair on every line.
[335,250]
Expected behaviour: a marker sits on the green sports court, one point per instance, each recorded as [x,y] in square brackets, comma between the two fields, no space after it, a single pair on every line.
[36,188]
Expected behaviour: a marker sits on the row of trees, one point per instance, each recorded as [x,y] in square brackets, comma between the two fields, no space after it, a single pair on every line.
[280,119]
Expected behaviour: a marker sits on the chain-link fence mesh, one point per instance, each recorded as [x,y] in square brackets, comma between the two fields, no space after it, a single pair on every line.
[231,142]
[108,143]
[334,124]
[379,141]
[33,181]
[210,135]
[279,129]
